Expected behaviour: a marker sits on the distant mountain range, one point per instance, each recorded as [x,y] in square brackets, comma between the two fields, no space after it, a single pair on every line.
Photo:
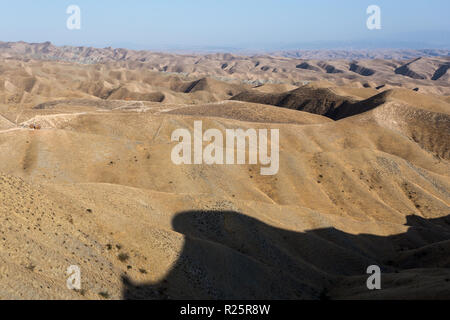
[46,50]
[396,54]
[424,70]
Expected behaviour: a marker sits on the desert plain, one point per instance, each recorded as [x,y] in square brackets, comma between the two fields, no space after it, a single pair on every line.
[86,176]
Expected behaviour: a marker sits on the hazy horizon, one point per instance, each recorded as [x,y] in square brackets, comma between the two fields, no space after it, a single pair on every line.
[230,26]
[191,153]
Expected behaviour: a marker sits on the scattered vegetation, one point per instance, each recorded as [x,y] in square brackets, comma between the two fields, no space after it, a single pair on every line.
[82,291]
[123,257]
[30,267]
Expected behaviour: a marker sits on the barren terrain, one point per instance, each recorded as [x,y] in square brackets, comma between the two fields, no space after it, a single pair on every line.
[86,176]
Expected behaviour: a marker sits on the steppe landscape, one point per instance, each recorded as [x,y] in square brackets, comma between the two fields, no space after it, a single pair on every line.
[86,176]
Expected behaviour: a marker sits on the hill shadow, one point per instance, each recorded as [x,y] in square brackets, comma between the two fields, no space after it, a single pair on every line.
[228,255]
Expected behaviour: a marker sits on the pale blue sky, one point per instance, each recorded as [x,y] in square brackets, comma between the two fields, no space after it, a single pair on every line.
[262,24]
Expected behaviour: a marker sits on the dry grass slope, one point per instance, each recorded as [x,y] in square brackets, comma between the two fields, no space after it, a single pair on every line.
[86,179]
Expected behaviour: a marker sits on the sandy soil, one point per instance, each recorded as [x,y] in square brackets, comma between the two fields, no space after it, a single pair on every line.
[87,179]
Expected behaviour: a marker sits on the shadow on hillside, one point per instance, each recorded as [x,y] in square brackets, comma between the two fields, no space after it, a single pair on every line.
[228,255]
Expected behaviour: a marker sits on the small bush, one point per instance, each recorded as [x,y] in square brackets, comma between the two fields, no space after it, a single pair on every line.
[31,267]
[123,257]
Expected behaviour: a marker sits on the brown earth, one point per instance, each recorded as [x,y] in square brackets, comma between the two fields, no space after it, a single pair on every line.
[87,179]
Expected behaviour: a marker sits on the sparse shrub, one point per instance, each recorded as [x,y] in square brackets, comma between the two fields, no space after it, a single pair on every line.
[30,267]
[123,257]
[82,291]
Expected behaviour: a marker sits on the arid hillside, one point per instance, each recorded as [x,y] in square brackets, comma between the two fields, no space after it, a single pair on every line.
[423,70]
[86,177]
